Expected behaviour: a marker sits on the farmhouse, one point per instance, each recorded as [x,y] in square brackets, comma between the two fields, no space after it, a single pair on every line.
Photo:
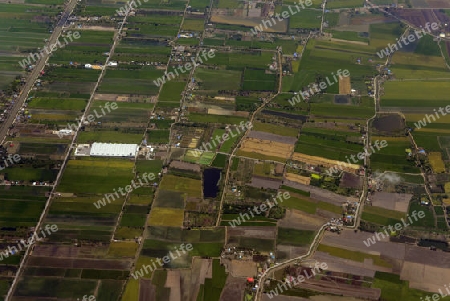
[113,150]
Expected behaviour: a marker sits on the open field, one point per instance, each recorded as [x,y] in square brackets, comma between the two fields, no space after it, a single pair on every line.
[267,148]
[118,173]
[436,162]
[314,160]
[352,255]
[166,217]
[189,186]
[95,248]
[407,94]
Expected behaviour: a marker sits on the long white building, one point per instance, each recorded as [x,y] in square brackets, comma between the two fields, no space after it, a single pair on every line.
[113,150]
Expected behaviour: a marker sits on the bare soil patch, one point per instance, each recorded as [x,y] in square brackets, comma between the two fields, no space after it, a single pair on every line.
[185,166]
[267,148]
[242,268]
[350,180]
[147,291]
[173,281]
[320,194]
[298,178]
[345,85]
[391,201]
[233,290]
[342,289]
[260,182]
[253,232]
[313,160]
[296,219]
[201,269]
[389,124]
[425,277]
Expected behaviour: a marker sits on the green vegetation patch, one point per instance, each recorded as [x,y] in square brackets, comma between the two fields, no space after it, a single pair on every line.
[294,237]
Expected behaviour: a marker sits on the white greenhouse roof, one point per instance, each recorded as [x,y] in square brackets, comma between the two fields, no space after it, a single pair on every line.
[113,150]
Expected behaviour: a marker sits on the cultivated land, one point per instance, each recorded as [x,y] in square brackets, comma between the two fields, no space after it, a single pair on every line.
[218,138]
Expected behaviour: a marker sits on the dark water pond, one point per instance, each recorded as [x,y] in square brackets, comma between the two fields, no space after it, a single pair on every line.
[211,177]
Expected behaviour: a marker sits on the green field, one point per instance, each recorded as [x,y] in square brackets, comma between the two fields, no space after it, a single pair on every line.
[382,216]
[393,289]
[189,186]
[416,94]
[118,173]
[58,104]
[295,237]
[322,59]
[218,79]
[353,255]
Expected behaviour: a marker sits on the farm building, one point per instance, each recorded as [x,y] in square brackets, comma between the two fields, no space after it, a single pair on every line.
[113,150]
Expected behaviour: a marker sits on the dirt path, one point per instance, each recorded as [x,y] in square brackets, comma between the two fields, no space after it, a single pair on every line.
[230,160]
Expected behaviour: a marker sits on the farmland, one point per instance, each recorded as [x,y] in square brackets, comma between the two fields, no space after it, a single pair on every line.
[214,108]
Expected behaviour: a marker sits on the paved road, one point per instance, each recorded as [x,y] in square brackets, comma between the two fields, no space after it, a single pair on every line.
[40,64]
[19,103]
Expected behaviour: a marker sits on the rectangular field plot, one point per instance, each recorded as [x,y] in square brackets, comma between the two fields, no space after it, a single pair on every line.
[189,186]
[133,50]
[75,104]
[88,49]
[417,66]
[393,157]
[169,199]
[331,145]
[110,136]
[218,79]
[325,58]
[168,217]
[118,173]
[258,80]
[416,94]
[171,91]
[126,113]
[136,81]
[153,25]
[60,288]
[383,34]
[165,5]
[28,173]
[255,59]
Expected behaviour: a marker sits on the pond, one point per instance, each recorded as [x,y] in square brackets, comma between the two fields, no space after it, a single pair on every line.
[211,177]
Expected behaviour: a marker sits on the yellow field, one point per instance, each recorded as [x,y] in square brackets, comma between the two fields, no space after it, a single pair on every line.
[298,179]
[122,249]
[344,85]
[447,187]
[110,163]
[436,162]
[192,187]
[313,160]
[295,66]
[132,290]
[267,147]
[417,117]
[168,217]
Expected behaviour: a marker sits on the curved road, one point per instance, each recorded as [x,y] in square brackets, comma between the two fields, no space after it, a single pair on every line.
[321,231]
